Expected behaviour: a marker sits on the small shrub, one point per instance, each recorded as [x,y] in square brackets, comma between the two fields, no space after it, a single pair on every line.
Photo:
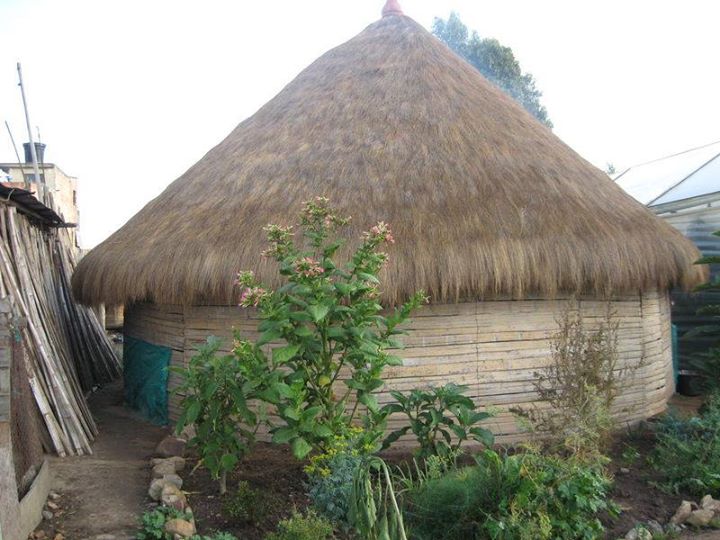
[330,475]
[580,386]
[328,318]
[246,505]
[687,453]
[302,527]
[152,524]
[216,390]
[216,536]
[527,496]
[437,415]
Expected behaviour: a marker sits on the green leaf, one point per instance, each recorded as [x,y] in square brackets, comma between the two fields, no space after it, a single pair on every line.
[193,411]
[311,412]
[269,336]
[318,311]
[282,389]
[282,355]
[283,435]
[323,431]
[228,461]
[343,288]
[392,360]
[300,448]
[369,401]
[483,435]
[368,277]
[394,436]
[291,413]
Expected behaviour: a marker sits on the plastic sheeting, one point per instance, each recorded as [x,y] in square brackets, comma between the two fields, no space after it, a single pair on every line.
[145,372]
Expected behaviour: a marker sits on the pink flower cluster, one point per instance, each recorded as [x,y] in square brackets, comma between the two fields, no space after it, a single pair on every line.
[252,296]
[381,232]
[308,267]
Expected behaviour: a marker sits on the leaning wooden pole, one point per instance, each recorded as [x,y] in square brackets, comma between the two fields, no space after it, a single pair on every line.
[68,351]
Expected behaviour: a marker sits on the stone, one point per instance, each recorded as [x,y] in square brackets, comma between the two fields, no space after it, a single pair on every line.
[163,468]
[105,537]
[173,497]
[177,461]
[47,514]
[708,503]
[59,536]
[173,479]
[655,527]
[700,518]
[188,432]
[156,487]
[39,535]
[52,506]
[54,495]
[624,470]
[682,513]
[638,533]
[171,446]
[180,527]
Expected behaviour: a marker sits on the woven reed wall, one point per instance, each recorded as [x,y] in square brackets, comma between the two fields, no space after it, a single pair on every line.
[493,347]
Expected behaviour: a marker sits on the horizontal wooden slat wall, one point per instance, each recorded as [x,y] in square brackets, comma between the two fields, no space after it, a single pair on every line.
[495,348]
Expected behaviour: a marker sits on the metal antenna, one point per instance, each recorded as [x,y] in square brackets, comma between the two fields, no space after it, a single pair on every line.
[30,135]
[17,155]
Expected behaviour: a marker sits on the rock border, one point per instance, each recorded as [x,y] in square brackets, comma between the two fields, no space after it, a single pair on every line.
[166,485]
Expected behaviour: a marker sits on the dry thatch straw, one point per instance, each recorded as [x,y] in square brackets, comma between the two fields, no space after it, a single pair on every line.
[394,126]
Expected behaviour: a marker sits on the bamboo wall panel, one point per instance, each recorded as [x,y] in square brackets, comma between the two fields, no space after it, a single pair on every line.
[495,348]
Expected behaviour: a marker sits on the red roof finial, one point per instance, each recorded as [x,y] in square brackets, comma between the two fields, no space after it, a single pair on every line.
[392,7]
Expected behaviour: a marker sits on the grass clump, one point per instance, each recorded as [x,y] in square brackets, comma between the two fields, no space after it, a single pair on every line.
[246,505]
[525,496]
[687,453]
[299,526]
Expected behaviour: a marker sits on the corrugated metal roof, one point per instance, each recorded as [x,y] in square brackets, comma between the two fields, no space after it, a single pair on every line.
[688,174]
[26,200]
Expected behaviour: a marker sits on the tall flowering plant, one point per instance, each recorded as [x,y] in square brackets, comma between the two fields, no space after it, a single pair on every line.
[330,336]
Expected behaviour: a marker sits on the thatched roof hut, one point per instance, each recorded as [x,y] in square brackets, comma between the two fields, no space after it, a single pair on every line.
[486,204]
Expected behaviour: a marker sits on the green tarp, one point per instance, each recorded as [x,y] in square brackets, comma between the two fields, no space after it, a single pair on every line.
[145,373]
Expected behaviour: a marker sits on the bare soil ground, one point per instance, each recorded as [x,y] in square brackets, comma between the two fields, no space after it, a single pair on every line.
[104,493]
[270,469]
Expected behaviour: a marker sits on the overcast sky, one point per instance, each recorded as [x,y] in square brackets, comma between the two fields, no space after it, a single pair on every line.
[128,94]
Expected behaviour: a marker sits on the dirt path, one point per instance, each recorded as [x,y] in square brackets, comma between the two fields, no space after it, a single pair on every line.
[105,493]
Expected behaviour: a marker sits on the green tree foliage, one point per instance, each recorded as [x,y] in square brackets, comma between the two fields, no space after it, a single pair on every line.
[495,61]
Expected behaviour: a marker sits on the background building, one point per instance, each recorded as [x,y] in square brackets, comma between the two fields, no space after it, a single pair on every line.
[684,190]
[55,187]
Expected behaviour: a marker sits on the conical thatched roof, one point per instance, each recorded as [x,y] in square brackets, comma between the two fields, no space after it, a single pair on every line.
[393,126]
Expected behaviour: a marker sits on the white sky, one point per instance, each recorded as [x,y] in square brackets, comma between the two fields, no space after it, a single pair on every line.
[128,94]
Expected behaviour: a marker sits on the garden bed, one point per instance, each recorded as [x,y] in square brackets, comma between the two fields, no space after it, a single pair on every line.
[633,491]
[272,470]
